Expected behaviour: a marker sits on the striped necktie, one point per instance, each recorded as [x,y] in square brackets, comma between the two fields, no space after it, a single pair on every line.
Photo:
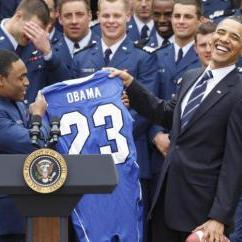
[195,99]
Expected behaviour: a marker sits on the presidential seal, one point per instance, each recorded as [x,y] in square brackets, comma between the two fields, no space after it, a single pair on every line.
[45,170]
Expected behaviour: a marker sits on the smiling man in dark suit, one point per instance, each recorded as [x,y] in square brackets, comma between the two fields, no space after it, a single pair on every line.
[200,183]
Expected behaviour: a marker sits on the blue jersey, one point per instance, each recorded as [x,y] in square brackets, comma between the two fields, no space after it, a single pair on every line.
[93,120]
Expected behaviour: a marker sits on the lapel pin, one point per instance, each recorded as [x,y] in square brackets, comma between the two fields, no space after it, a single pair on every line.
[35,52]
[218,91]
[124,47]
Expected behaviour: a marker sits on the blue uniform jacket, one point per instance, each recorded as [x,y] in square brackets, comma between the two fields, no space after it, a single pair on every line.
[7,8]
[212,7]
[140,64]
[169,74]
[60,66]
[133,32]
[14,139]
[34,62]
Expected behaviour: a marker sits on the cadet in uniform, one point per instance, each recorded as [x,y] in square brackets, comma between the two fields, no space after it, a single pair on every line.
[117,50]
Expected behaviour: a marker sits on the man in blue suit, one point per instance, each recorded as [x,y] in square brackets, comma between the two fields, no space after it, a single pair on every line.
[117,50]
[75,17]
[185,20]
[25,34]
[14,133]
[141,26]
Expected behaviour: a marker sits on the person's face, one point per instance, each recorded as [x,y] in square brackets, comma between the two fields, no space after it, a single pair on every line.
[113,18]
[143,9]
[162,11]
[15,85]
[203,48]
[19,33]
[226,43]
[53,13]
[184,21]
[75,19]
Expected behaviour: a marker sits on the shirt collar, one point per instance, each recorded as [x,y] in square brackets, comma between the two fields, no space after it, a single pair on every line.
[51,34]
[185,48]
[112,47]
[82,43]
[160,39]
[220,73]
[140,24]
[10,36]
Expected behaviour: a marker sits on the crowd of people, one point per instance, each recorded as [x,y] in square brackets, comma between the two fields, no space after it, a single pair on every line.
[180,64]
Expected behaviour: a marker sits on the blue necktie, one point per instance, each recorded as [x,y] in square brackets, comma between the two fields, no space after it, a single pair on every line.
[195,99]
[107,54]
[180,55]
[144,32]
[19,50]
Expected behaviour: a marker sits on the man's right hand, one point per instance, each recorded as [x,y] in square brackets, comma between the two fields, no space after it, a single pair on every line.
[162,142]
[39,106]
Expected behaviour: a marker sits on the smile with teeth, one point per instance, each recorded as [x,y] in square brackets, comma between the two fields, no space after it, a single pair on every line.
[222,48]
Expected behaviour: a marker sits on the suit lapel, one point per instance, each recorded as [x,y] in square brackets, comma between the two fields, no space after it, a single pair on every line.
[121,54]
[22,111]
[187,60]
[186,85]
[96,56]
[219,91]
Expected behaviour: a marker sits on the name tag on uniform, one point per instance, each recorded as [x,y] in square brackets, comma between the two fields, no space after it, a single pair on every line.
[20,122]
[92,70]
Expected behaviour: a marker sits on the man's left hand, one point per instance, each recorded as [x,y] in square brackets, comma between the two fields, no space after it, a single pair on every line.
[213,231]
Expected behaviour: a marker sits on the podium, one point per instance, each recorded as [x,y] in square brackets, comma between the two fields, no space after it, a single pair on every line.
[47,214]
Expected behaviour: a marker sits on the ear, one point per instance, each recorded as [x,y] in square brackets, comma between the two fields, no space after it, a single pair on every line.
[2,79]
[18,14]
[90,16]
[128,16]
[60,21]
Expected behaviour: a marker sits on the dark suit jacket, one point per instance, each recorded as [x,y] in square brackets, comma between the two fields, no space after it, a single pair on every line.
[203,168]
[169,74]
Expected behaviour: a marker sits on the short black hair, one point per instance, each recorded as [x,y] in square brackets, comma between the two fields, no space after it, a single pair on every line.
[37,8]
[7,58]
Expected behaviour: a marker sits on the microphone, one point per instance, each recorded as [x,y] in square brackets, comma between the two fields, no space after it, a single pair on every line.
[35,129]
[55,129]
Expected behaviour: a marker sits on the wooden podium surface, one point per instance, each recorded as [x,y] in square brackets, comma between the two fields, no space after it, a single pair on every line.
[46,229]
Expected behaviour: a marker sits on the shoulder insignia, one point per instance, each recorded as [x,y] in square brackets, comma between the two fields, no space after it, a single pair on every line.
[89,46]
[178,82]
[141,43]
[239,69]
[149,49]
